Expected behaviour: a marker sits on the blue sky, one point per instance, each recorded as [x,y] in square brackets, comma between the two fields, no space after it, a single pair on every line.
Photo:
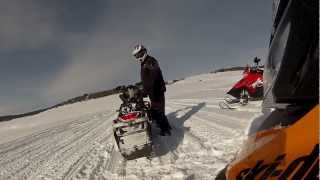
[54,50]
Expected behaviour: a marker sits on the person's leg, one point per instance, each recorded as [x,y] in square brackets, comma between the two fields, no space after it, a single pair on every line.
[157,111]
[165,121]
[157,116]
[163,114]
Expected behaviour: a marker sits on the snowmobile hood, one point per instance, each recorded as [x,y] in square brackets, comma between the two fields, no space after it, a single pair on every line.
[249,82]
[129,117]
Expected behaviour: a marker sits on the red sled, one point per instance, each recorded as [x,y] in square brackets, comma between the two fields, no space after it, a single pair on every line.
[251,84]
[250,87]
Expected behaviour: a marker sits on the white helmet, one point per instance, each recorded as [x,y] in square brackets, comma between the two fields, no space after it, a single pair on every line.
[139,52]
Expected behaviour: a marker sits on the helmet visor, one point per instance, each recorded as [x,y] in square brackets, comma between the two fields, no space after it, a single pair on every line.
[140,54]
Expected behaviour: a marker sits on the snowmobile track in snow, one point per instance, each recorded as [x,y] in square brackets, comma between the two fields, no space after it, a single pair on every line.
[116,164]
[25,157]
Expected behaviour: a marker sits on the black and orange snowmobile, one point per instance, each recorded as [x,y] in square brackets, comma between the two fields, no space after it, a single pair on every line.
[283,142]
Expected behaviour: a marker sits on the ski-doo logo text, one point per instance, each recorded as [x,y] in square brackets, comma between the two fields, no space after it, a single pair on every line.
[305,166]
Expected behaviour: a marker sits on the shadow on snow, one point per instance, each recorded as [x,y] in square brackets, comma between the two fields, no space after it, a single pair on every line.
[166,144]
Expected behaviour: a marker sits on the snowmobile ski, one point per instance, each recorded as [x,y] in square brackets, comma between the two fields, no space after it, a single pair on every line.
[225,105]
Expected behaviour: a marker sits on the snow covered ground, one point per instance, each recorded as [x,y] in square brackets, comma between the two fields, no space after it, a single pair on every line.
[76,141]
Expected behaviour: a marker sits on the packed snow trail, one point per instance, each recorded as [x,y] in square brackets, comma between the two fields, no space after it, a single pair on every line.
[76,141]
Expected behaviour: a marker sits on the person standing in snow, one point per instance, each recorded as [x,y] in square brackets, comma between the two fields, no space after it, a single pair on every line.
[153,86]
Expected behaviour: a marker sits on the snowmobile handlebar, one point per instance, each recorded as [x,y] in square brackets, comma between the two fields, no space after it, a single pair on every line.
[132,98]
[130,92]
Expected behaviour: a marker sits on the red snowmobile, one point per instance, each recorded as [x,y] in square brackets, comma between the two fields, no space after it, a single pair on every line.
[250,87]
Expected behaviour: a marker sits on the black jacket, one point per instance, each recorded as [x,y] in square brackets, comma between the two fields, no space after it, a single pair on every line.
[152,79]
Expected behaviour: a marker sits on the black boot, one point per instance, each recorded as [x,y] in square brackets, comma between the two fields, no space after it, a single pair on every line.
[165,122]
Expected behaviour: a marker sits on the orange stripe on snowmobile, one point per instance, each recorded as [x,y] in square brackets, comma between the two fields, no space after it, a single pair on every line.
[284,153]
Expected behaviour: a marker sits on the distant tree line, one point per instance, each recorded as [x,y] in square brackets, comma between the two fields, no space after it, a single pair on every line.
[100,94]
[235,68]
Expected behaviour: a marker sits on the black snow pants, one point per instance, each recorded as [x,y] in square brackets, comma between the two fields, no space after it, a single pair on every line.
[158,113]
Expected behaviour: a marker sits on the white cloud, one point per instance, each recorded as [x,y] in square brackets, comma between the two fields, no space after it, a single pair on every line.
[26,24]
[96,64]
[83,77]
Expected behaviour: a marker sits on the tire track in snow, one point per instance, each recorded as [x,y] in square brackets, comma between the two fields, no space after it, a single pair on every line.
[34,157]
[190,135]
[213,140]
[201,134]
[97,170]
[233,115]
[59,148]
[117,164]
[23,141]
[16,155]
[221,122]
[76,168]
[221,129]
[165,145]
[104,160]
[252,107]
[41,144]
[22,145]
[87,150]
[44,154]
